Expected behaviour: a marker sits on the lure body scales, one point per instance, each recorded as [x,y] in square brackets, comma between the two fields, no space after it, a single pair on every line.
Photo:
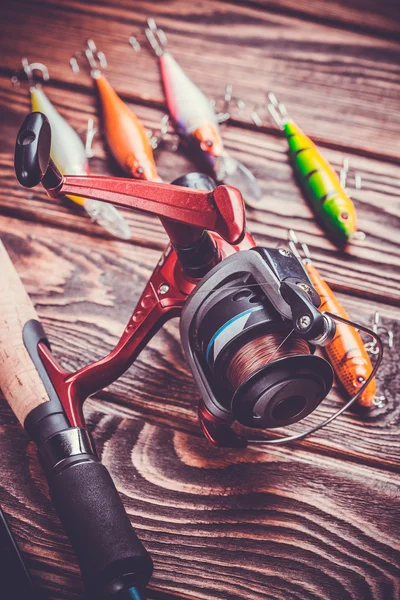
[346,352]
[67,149]
[196,121]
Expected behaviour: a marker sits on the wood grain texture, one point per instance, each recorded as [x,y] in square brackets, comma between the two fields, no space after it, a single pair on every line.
[355,77]
[224,525]
[369,268]
[315,520]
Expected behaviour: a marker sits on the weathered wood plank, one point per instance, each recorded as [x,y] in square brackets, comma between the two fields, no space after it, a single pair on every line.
[369,268]
[85,293]
[350,101]
[219,524]
[379,19]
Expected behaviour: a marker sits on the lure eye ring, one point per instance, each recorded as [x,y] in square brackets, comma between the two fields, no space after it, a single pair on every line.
[300,436]
[344,216]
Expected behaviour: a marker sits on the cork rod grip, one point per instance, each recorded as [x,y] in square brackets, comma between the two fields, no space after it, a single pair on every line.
[19,380]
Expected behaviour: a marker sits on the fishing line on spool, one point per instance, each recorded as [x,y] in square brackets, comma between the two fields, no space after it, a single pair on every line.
[262,350]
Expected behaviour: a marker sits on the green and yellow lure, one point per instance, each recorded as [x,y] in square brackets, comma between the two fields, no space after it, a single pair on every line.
[320,183]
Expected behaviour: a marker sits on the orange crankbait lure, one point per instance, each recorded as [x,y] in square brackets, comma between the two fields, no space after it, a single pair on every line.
[346,353]
[125,134]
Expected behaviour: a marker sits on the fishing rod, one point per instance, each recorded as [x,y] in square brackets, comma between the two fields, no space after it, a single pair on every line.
[111,557]
[249,326]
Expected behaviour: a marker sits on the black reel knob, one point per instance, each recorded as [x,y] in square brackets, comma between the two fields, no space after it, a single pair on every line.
[32,149]
[32,153]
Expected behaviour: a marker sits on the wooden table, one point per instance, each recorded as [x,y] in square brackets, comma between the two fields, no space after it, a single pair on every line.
[317,520]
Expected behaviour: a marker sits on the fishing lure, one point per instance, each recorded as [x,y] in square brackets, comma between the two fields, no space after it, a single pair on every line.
[196,122]
[125,134]
[319,181]
[68,153]
[346,353]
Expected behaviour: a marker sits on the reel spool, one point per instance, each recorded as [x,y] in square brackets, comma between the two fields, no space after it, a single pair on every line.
[249,332]
[262,372]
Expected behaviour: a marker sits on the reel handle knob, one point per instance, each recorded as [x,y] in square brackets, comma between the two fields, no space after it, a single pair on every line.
[32,153]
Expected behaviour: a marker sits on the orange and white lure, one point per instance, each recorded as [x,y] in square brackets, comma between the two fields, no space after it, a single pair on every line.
[346,353]
[196,122]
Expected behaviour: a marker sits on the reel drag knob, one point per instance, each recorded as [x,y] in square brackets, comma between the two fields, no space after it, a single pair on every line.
[32,153]
[282,392]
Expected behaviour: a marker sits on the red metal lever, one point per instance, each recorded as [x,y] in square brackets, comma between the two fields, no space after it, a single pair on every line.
[221,210]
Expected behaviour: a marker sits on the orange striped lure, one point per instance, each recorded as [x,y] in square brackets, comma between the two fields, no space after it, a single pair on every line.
[126,136]
[196,122]
[68,153]
[320,183]
[346,353]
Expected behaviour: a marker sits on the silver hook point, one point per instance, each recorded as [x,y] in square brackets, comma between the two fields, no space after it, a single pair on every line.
[90,133]
[134,43]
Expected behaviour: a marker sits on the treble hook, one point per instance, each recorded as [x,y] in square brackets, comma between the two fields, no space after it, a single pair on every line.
[376,328]
[156,37]
[90,133]
[277,110]
[134,43]
[371,348]
[96,58]
[294,244]
[344,171]
[29,69]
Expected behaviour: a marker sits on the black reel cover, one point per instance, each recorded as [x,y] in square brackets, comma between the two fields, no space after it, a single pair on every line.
[222,315]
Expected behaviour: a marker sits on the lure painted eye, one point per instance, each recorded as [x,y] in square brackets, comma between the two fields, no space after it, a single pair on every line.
[209,143]
[360,381]
[344,216]
[139,172]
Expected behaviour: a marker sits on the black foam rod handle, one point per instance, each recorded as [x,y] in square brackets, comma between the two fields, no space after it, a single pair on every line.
[112,559]
[32,149]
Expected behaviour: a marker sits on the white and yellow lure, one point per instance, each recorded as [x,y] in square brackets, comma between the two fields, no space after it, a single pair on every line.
[68,153]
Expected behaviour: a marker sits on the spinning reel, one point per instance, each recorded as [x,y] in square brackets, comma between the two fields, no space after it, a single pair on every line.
[249,316]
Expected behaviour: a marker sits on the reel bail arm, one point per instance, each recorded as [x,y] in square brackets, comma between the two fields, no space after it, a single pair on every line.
[308,322]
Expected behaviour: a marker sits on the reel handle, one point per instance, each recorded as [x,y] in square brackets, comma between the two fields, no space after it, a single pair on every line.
[32,153]
[220,210]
